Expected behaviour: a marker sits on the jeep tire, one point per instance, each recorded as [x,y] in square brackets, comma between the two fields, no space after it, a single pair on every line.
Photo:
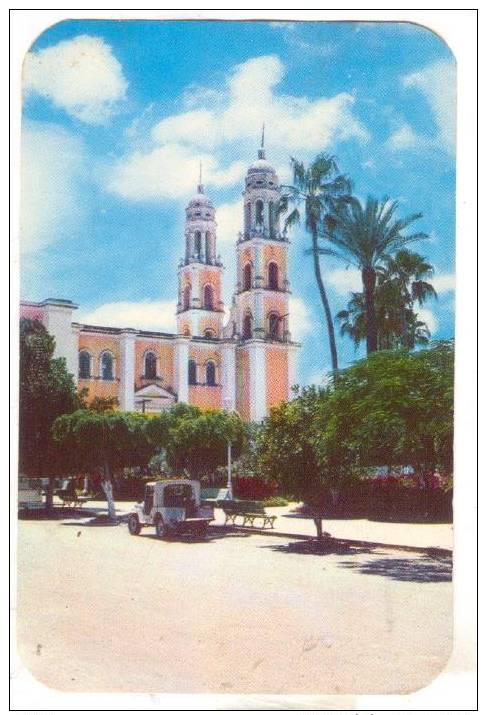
[160,528]
[134,524]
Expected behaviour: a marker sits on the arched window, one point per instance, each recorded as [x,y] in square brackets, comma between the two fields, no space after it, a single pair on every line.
[210,373]
[247,327]
[150,366]
[186,331]
[192,372]
[208,297]
[259,212]
[197,243]
[106,366]
[208,255]
[209,333]
[247,277]
[187,297]
[84,365]
[273,322]
[273,276]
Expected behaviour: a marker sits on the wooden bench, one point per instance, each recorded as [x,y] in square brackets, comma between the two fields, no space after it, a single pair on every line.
[71,500]
[248,510]
[213,495]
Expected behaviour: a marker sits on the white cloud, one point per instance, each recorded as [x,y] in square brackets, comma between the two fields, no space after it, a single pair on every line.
[437,82]
[299,318]
[51,165]
[428,317]
[157,315]
[251,99]
[81,76]
[229,220]
[223,130]
[168,172]
[443,282]
[344,280]
[403,138]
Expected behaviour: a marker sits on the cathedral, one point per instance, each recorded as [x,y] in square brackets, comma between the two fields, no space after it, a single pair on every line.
[246,363]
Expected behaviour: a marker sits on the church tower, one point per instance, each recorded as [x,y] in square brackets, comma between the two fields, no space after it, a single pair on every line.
[265,354]
[200,304]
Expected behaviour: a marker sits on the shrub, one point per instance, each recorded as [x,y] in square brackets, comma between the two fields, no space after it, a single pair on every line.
[254,488]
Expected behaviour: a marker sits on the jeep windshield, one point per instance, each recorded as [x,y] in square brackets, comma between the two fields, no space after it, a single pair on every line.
[178,495]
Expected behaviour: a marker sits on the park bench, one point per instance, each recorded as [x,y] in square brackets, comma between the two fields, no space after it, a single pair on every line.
[70,499]
[212,495]
[248,510]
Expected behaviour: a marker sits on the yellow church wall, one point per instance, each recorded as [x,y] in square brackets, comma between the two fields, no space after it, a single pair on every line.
[205,396]
[276,376]
[164,352]
[242,380]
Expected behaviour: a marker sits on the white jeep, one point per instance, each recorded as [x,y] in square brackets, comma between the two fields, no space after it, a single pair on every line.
[172,506]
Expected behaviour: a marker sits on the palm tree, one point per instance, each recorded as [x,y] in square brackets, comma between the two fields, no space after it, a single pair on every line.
[400,286]
[408,272]
[365,237]
[317,187]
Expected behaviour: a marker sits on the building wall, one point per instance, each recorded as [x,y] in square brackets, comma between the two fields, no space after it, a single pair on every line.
[96,345]
[164,351]
[243,380]
[205,397]
[277,380]
[32,312]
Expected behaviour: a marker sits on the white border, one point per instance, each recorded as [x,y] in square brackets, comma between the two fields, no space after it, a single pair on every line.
[455,687]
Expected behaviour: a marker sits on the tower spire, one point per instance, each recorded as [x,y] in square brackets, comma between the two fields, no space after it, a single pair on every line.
[261,152]
[200,183]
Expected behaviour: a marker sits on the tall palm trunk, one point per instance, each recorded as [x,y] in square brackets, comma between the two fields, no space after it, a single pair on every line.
[324,300]
[368,280]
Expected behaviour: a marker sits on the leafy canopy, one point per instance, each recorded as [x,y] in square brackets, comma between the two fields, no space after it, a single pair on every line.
[46,390]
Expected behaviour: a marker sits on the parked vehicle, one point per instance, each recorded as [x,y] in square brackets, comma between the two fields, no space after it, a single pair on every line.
[30,493]
[172,506]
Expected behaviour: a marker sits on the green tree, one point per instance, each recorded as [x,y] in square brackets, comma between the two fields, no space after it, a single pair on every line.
[401,285]
[103,404]
[288,454]
[316,188]
[396,407]
[104,441]
[196,441]
[365,236]
[46,390]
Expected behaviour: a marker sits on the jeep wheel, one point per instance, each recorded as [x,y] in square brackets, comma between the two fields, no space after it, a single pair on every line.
[160,528]
[134,524]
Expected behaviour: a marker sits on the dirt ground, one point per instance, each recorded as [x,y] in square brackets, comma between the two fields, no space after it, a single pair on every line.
[100,610]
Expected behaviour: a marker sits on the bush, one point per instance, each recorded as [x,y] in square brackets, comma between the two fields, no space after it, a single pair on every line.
[254,488]
[275,501]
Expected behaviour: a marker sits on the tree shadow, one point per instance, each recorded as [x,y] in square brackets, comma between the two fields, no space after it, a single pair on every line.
[422,569]
[213,534]
[99,520]
[313,547]
[54,514]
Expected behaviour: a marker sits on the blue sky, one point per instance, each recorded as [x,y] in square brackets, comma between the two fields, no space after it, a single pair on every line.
[118,114]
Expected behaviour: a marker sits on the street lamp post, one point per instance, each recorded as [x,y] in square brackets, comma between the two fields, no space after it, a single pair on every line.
[226,406]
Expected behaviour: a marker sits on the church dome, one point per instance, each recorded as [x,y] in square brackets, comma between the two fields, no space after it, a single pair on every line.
[200,199]
[261,166]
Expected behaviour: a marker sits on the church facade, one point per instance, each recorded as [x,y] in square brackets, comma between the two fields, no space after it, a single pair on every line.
[246,363]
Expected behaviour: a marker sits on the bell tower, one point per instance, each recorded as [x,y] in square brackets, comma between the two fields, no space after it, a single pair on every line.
[265,371]
[200,304]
